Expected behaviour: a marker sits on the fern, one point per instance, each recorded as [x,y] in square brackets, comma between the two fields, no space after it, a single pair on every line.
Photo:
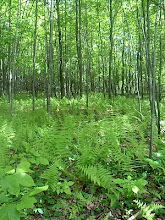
[148,209]
[53,173]
[6,136]
[99,176]
[84,200]
[155,193]
[52,176]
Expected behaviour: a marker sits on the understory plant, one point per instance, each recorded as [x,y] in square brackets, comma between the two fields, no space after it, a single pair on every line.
[93,160]
[17,191]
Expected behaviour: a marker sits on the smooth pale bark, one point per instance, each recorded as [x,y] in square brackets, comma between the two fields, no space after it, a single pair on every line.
[46,56]
[14,61]
[87,54]
[65,55]
[135,66]
[91,77]
[50,59]
[143,25]
[159,88]
[80,48]
[123,50]
[139,53]
[9,55]
[148,52]
[77,43]
[153,90]
[111,48]
[34,54]
[129,74]
[114,72]
[60,50]
[101,65]
[126,76]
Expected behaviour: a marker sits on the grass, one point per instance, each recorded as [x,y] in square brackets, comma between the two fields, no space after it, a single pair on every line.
[95,160]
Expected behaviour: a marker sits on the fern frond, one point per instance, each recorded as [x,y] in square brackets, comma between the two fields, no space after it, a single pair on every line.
[155,193]
[99,176]
[52,175]
[6,136]
[148,209]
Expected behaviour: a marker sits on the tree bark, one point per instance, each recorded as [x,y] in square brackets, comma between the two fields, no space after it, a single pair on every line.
[14,61]
[34,54]
[153,90]
[60,50]
[50,59]
[111,48]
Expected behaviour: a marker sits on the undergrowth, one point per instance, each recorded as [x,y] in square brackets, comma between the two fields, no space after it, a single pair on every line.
[94,160]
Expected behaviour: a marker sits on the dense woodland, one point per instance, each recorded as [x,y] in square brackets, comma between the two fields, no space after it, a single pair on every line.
[82,118]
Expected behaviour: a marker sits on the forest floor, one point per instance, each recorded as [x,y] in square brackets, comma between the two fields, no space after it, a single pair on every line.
[80,163]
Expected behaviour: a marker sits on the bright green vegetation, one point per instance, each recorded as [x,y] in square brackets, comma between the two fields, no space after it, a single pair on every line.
[98,153]
[78,163]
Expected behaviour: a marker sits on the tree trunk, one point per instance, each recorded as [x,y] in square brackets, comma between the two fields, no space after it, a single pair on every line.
[87,52]
[34,54]
[9,56]
[46,58]
[60,50]
[153,90]
[160,73]
[50,59]
[14,61]
[111,48]
[148,53]
[78,43]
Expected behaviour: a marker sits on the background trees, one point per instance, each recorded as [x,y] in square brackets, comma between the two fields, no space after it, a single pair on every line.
[64,48]
[93,62]
[118,32]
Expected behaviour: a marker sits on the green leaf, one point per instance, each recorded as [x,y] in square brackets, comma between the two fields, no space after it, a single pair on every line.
[23,167]
[35,153]
[129,178]
[9,212]
[24,179]
[3,198]
[70,183]
[11,184]
[2,173]
[9,170]
[67,191]
[40,211]
[26,202]
[154,164]
[32,160]
[113,199]
[135,189]
[38,190]
[43,161]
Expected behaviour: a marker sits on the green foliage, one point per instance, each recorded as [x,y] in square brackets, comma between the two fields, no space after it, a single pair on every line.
[148,209]
[16,192]
[9,212]
[99,176]
[52,175]
[6,136]
[79,161]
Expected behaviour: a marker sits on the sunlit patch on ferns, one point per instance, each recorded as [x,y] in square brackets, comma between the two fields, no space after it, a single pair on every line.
[148,209]
[6,136]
